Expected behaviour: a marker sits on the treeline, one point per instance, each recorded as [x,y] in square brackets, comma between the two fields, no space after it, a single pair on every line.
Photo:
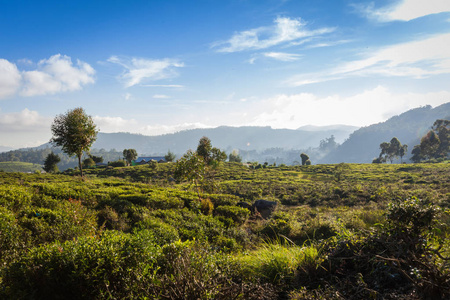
[38,156]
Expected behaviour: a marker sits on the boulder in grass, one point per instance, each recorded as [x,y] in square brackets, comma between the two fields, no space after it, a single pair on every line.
[264,207]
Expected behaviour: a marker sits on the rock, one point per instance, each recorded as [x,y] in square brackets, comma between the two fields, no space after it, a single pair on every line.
[264,207]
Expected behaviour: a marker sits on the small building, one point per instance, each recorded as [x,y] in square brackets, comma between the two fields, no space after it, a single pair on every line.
[145,160]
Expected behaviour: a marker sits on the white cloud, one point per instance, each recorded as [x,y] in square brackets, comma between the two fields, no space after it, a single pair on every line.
[281,56]
[10,79]
[115,124]
[284,30]
[23,121]
[161,96]
[24,129]
[407,10]
[164,85]
[53,75]
[416,59]
[140,69]
[362,109]
[56,74]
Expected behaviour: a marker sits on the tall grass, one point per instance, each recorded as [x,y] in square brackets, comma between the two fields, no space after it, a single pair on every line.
[276,263]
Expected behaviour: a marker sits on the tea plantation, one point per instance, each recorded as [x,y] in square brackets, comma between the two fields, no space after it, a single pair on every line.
[345,231]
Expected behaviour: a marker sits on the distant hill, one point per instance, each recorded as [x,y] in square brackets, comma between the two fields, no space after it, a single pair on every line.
[342,128]
[363,145]
[224,137]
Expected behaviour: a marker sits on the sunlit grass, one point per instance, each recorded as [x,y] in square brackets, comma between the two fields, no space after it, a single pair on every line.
[276,262]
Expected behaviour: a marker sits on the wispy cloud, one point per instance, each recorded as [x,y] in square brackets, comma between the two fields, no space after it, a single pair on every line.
[405,10]
[54,75]
[416,59]
[115,124]
[283,31]
[164,85]
[161,96]
[138,70]
[281,56]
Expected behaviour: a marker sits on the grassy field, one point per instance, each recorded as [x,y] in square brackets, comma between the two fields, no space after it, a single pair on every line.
[17,166]
[346,231]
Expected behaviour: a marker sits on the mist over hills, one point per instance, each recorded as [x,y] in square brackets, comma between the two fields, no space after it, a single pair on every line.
[224,137]
[363,145]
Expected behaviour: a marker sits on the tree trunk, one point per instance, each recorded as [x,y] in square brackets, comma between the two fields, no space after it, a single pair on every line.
[79,165]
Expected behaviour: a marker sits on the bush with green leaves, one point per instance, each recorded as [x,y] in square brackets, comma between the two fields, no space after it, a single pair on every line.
[238,214]
[114,265]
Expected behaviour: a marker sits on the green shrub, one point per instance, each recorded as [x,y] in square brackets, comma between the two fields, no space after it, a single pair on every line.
[15,198]
[114,266]
[238,214]
[13,240]
[162,232]
[69,220]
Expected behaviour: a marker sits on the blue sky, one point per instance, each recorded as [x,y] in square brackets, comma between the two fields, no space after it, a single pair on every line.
[156,67]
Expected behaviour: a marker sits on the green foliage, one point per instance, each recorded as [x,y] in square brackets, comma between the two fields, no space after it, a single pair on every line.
[129,155]
[113,233]
[276,263]
[304,158]
[50,163]
[238,214]
[74,132]
[234,157]
[391,151]
[170,156]
[16,166]
[117,163]
[88,162]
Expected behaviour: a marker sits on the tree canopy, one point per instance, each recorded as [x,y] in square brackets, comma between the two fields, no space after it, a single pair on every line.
[50,163]
[129,155]
[74,132]
[391,150]
[435,144]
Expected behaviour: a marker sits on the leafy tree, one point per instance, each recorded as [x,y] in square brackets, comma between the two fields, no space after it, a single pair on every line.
[50,163]
[429,145]
[211,155]
[129,155]
[403,151]
[442,129]
[88,162]
[217,156]
[435,144]
[96,159]
[204,148]
[234,157]
[394,149]
[191,168]
[170,156]
[74,132]
[416,154]
[390,151]
[304,158]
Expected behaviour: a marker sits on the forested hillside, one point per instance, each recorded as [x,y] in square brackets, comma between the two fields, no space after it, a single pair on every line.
[363,145]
